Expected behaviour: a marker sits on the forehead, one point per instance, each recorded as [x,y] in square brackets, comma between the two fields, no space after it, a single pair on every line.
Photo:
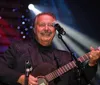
[45,17]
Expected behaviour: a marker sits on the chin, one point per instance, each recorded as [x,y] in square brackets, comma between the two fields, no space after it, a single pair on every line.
[46,43]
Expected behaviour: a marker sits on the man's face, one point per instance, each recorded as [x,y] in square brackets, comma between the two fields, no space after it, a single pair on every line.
[44,30]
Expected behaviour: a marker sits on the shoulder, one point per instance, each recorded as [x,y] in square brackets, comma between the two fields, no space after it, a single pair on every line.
[20,44]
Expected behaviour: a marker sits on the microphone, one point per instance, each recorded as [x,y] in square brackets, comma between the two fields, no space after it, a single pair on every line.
[59,28]
[28,67]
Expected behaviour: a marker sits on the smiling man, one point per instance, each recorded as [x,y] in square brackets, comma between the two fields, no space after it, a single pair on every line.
[43,58]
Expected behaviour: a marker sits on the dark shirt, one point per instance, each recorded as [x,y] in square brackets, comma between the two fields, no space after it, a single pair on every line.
[43,59]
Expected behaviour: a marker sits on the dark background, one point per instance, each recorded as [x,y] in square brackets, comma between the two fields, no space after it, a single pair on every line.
[86,15]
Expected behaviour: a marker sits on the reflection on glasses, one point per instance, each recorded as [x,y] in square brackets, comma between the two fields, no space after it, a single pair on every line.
[44,24]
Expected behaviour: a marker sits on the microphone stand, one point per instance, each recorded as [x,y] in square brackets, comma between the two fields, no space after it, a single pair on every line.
[78,63]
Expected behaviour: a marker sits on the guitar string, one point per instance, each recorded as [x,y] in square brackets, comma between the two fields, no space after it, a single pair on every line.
[66,67]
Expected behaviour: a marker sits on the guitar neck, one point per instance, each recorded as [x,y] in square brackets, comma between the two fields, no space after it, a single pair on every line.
[49,77]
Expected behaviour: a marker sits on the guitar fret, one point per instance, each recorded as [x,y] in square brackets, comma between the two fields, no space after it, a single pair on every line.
[60,70]
[55,73]
[65,68]
[48,77]
[73,62]
[81,59]
[68,66]
[86,56]
[52,76]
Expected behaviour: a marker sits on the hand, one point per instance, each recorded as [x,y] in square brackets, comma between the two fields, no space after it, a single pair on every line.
[31,81]
[94,56]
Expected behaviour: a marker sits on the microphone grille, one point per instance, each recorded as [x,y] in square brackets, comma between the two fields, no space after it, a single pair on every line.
[54,23]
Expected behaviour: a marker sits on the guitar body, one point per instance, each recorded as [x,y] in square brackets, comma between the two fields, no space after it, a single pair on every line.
[46,72]
[41,70]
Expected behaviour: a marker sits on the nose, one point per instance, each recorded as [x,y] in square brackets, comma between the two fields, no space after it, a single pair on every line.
[46,27]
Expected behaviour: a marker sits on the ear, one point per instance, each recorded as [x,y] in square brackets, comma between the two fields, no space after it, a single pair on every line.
[34,30]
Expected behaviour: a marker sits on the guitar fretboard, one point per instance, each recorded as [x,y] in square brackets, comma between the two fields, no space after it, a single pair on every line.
[49,77]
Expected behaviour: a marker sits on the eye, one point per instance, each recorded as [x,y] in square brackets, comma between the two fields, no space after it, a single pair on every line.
[41,24]
[50,24]
[44,24]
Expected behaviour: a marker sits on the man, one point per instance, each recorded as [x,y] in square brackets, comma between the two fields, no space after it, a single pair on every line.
[43,58]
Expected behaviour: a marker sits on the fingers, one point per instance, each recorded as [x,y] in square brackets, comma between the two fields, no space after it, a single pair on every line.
[99,48]
[32,80]
[91,48]
[94,56]
[94,49]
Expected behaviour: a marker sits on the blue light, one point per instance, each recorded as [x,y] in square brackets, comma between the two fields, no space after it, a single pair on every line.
[24,37]
[31,27]
[26,29]
[18,27]
[14,10]
[21,32]
[23,16]
[23,22]
[25,19]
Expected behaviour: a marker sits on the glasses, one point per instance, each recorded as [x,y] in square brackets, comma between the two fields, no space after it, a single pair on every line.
[44,24]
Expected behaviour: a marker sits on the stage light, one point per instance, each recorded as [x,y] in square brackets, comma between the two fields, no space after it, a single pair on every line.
[31,6]
[23,16]
[26,29]
[23,22]
[25,19]
[34,9]
[21,32]
[14,10]
[18,27]
[24,36]
[31,27]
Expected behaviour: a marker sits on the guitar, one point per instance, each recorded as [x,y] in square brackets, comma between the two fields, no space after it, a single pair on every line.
[43,80]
